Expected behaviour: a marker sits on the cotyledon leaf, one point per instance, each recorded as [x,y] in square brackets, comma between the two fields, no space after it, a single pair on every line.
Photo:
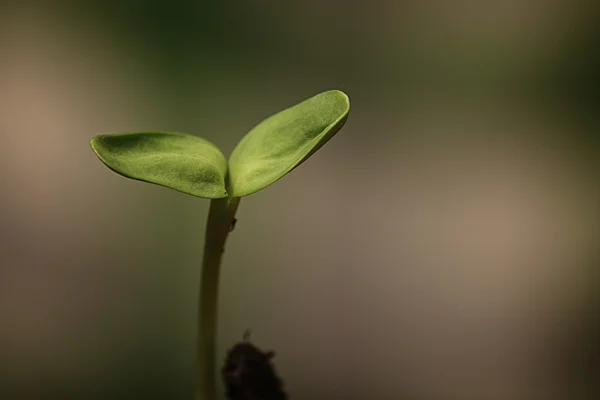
[179,161]
[285,140]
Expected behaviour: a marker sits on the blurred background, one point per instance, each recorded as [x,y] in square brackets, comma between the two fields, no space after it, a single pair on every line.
[444,245]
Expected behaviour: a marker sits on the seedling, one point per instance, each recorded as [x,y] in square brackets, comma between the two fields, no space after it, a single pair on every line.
[195,166]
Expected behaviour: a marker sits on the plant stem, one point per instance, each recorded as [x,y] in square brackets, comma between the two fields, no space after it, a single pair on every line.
[220,218]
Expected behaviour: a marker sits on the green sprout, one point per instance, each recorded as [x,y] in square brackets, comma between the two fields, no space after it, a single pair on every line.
[195,166]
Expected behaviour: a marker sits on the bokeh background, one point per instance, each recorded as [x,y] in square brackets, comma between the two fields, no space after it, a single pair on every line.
[444,245]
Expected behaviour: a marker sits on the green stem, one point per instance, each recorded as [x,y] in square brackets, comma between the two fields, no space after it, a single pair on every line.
[220,218]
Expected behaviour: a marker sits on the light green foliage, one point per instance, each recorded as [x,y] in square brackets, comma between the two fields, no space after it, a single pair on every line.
[178,161]
[195,166]
[282,142]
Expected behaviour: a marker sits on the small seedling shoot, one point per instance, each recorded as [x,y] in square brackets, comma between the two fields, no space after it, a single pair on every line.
[195,166]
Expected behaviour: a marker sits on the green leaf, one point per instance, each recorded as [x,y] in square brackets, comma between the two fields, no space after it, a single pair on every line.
[179,161]
[284,141]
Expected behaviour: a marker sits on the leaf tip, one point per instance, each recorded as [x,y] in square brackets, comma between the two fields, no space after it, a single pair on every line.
[97,145]
[341,97]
